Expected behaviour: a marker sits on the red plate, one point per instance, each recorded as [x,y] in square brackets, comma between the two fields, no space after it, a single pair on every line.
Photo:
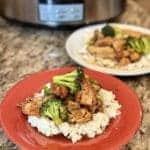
[118,133]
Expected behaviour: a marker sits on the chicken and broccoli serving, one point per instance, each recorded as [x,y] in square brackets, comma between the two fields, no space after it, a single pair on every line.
[115,47]
[74,105]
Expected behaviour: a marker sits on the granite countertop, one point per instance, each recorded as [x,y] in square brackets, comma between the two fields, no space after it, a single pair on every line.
[25,50]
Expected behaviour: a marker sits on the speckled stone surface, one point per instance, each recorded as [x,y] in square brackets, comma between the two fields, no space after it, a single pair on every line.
[25,50]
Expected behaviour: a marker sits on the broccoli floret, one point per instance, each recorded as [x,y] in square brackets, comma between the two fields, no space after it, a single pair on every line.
[140,45]
[146,44]
[108,31]
[134,43]
[54,109]
[71,80]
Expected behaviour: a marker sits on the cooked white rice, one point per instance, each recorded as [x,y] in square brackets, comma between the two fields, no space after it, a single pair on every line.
[75,132]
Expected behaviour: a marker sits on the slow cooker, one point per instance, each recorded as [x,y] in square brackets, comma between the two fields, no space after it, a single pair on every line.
[61,12]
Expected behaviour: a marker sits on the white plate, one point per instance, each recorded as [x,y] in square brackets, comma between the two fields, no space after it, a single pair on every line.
[76,44]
